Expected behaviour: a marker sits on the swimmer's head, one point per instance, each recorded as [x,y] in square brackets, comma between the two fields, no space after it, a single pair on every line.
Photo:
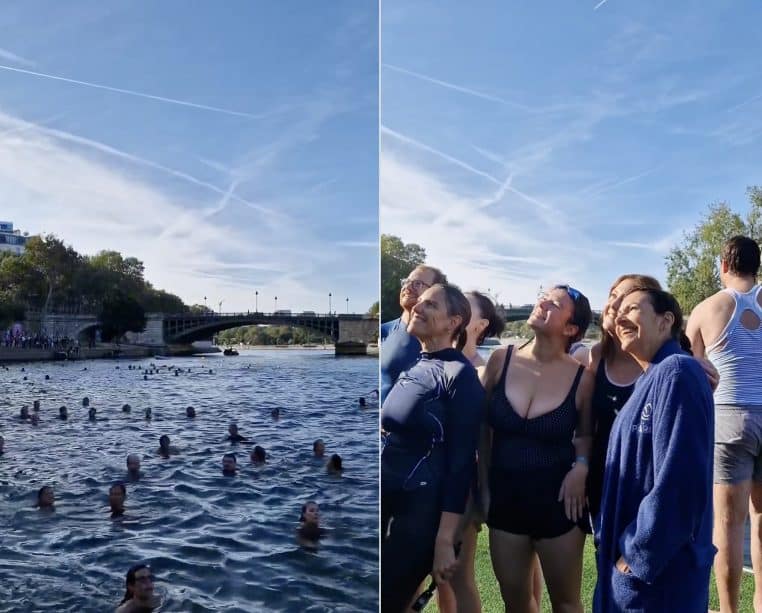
[190,412]
[164,442]
[45,497]
[148,412]
[126,408]
[139,584]
[258,455]
[85,402]
[229,464]
[318,448]
[63,413]
[310,513]
[24,413]
[2,442]
[233,429]
[36,405]
[362,401]
[116,496]
[133,464]
[334,464]
[34,419]
[275,413]
[91,413]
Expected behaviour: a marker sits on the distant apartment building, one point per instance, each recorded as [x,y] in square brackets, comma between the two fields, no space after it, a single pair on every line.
[10,239]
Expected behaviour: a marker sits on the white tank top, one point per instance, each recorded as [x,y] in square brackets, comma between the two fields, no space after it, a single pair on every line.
[737,354]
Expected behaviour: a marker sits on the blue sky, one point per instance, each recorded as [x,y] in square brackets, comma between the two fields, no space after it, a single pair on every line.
[240,155]
[529,143]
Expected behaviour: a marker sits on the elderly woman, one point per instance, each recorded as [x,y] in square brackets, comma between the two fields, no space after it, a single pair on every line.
[536,455]
[432,418]
[654,530]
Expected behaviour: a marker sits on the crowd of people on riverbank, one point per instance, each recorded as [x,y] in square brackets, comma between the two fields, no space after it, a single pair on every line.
[634,440]
[17,338]
[307,531]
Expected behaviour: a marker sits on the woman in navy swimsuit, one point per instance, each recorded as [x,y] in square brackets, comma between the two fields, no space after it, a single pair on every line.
[534,490]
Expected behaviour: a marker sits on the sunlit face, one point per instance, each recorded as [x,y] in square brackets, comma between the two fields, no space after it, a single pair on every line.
[142,589]
[312,514]
[228,465]
[613,303]
[47,498]
[116,498]
[430,318]
[478,324]
[640,329]
[553,313]
[417,282]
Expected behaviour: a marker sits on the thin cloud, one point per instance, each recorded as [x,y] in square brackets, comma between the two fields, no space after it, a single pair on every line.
[600,4]
[366,244]
[129,92]
[12,57]
[461,89]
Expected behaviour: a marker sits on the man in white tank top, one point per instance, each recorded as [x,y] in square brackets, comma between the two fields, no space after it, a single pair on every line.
[727,327]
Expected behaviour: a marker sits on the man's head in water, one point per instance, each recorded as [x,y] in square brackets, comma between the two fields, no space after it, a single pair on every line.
[85,402]
[148,412]
[139,587]
[229,464]
[258,455]
[63,413]
[190,412]
[24,413]
[233,430]
[116,495]
[133,465]
[334,464]
[318,448]
[34,419]
[164,444]
[91,413]
[362,401]
[2,443]
[275,413]
[46,499]
[126,408]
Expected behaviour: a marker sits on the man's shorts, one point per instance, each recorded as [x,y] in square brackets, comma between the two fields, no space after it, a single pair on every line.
[737,443]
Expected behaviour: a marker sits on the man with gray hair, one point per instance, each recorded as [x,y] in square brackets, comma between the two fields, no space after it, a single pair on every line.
[727,327]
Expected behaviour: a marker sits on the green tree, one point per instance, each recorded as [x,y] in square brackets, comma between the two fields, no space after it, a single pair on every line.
[693,266]
[120,313]
[55,262]
[373,310]
[397,261]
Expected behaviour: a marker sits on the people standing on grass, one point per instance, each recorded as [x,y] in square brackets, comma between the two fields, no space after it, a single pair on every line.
[654,528]
[727,328]
[431,417]
[534,459]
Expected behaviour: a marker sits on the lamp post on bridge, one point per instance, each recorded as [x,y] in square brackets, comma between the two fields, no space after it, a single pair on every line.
[206,308]
[220,306]
[256,301]
[347,305]
[276,303]
[329,303]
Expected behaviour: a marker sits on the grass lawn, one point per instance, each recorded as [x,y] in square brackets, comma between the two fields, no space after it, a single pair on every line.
[492,603]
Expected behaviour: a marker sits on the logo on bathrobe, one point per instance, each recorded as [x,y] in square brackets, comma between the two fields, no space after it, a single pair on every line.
[644,427]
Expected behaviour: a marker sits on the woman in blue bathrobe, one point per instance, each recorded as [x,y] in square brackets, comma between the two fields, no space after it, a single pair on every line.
[654,530]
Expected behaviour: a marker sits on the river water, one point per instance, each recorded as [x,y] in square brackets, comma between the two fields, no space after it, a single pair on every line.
[215,543]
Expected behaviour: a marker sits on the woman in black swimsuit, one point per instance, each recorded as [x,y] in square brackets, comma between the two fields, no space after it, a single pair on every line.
[537,455]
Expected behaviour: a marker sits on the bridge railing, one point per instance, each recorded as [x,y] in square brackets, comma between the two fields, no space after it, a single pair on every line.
[302,315]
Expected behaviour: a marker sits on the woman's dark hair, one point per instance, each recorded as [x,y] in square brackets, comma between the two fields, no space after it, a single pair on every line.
[41,490]
[582,315]
[487,308]
[608,343]
[664,302]
[457,305]
[335,461]
[120,485]
[163,437]
[259,453]
[130,580]
[304,509]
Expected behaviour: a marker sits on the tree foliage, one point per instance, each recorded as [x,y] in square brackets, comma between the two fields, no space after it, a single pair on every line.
[397,261]
[373,310]
[271,335]
[120,313]
[693,266]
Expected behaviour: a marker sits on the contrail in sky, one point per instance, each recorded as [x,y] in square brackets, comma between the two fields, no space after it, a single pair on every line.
[600,4]
[130,92]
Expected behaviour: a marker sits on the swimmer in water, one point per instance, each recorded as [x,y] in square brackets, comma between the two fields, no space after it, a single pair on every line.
[133,466]
[138,596]
[334,464]
[2,444]
[34,419]
[164,448]
[148,412]
[229,464]
[318,448]
[234,437]
[190,412]
[85,402]
[309,531]
[91,413]
[362,402]
[275,413]
[126,408]
[46,499]
[258,455]
[63,413]
[116,495]
[24,414]
[36,405]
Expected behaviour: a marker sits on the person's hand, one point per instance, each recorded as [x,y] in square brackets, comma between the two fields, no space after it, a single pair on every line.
[712,374]
[444,562]
[572,491]
[622,566]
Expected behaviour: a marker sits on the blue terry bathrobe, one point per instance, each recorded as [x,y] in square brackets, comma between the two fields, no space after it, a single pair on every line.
[656,510]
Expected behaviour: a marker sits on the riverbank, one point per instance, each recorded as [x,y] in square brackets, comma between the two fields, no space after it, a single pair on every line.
[101,351]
